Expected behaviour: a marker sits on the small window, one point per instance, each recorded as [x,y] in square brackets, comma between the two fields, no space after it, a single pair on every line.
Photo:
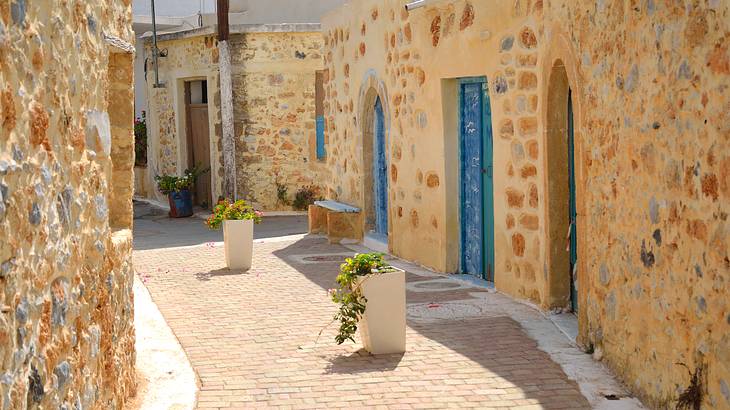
[199,92]
[319,112]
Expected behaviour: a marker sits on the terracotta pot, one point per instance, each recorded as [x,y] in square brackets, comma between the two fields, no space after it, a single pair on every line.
[383,325]
[238,240]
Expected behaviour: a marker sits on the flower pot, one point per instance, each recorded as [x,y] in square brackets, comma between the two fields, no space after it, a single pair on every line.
[383,325]
[238,243]
[181,204]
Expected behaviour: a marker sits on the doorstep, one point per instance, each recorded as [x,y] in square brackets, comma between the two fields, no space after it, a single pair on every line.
[376,242]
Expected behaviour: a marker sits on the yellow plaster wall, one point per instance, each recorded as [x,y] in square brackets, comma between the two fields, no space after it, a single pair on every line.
[649,84]
[66,155]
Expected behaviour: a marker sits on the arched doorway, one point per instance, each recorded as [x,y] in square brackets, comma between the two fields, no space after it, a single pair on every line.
[373,109]
[561,186]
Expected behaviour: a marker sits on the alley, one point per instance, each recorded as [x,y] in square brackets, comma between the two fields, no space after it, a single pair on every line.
[253,338]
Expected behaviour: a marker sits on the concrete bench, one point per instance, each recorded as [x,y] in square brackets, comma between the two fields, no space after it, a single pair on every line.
[337,220]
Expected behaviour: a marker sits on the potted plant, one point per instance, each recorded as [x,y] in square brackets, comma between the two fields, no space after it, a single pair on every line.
[237,219]
[178,193]
[372,296]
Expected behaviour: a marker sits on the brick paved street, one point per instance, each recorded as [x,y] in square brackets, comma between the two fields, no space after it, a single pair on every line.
[252,337]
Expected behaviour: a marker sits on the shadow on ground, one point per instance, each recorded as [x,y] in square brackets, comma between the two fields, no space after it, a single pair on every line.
[363,362]
[206,276]
[497,343]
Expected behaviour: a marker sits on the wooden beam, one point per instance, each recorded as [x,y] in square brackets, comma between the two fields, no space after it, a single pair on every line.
[222,11]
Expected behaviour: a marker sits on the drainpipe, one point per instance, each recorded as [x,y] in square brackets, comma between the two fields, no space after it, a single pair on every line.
[226,92]
[155,51]
[416,4]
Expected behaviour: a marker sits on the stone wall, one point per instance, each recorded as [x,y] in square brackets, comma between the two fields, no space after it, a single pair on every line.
[66,157]
[649,88]
[274,109]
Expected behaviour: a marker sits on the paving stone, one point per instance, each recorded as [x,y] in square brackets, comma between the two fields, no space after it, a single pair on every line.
[252,337]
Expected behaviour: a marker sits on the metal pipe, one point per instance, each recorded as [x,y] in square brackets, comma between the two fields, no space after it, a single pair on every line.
[155,50]
[415,4]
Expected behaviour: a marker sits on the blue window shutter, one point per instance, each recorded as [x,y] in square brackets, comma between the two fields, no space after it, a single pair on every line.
[320,137]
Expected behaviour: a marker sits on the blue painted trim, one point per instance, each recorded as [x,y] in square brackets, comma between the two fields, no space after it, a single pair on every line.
[321,153]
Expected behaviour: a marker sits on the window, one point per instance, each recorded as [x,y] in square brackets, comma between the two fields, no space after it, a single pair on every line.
[319,112]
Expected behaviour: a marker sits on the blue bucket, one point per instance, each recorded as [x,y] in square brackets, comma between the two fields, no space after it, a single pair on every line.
[181,204]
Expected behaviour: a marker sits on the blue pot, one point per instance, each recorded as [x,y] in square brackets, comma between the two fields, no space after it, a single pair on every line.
[181,204]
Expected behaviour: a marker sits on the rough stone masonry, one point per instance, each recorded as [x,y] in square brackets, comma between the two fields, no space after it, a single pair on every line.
[66,155]
[649,82]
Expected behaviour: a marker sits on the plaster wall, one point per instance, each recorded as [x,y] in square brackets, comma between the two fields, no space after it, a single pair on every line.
[649,83]
[66,158]
[274,111]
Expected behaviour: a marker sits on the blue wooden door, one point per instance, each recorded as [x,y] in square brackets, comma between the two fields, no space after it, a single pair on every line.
[572,208]
[477,214]
[380,171]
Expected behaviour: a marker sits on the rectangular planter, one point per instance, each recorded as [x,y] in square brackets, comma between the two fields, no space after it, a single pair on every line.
[383,325]
[238,243]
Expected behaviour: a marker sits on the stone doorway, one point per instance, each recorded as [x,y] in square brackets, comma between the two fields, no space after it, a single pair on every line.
[561,192]
[374,121]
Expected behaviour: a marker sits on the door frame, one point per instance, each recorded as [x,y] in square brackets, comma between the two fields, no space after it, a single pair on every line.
[572,201]
[487,154]
[182,126]
[189,140]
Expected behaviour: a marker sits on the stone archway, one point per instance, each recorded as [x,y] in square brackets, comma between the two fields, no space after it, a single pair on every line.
[558,187]
[561,75]
[371,91]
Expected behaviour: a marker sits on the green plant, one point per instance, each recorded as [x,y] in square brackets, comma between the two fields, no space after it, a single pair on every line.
[349,295]
[140,140]
[282,194]
[304,197]
[233,211]
[172,183]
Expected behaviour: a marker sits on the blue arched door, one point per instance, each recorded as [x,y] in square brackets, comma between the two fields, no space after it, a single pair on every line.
[380,170]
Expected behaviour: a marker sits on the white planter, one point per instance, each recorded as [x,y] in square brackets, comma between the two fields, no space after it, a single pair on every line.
[383,325]
[238,243]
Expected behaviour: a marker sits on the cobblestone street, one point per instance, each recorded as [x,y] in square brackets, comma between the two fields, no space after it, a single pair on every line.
[253,337]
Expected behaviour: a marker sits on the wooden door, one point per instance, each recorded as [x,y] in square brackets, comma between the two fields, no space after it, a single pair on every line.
[476,180]
[199,152]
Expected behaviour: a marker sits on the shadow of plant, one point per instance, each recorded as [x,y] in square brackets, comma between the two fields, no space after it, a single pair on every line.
[206,276]
[363,362]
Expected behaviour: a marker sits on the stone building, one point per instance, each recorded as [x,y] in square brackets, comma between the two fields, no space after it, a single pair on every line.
[274,59]
[575,153]
[66,181]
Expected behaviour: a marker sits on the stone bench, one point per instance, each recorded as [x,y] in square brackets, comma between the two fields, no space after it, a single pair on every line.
[336,220]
